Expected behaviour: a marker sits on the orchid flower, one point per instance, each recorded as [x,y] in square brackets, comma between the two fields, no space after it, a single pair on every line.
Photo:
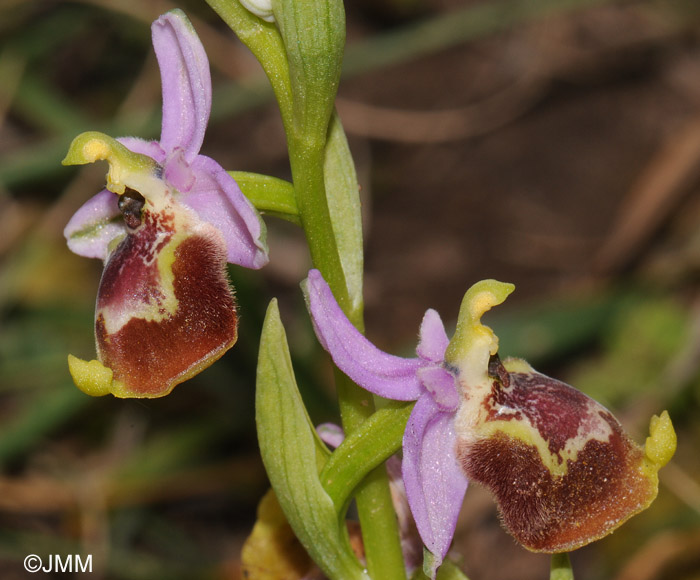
[562,469]
[165,309]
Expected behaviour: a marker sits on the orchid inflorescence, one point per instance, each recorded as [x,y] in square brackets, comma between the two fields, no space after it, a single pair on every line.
[562,469]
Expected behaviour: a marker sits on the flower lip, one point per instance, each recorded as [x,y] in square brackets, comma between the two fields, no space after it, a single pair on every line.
[562,469]
[165,310]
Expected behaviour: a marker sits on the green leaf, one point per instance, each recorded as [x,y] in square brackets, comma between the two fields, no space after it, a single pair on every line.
[377,439]
[43,106]
[546,330]
[269,195]
[342,192]
[290,451]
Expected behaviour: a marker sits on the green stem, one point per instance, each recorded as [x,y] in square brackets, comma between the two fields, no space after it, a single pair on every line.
[373,497]
[306,160]
[561,567]
[263,40]
[375,508]
[299,80]
[370,445]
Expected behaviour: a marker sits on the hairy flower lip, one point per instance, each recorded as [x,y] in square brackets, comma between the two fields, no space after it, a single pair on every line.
[165,309]
[154,355]
[562,468]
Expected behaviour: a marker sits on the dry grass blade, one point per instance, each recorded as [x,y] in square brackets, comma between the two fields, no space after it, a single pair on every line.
[664,553]
[659,189]
[441,126]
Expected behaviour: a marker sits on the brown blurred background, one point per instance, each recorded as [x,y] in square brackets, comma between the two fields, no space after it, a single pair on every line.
[552,144]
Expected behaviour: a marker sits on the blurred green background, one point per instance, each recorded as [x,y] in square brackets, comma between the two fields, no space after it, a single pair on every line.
[553,144]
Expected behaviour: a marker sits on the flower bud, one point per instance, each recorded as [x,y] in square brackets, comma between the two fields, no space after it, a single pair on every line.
[261,8]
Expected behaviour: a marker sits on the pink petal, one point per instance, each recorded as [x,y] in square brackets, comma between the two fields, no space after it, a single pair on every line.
[383,374]
[331,434]
[433,339]
[150,148]
[217,199]
[92,228]
[184,70]
[441,384]
[435,483]
[177,172]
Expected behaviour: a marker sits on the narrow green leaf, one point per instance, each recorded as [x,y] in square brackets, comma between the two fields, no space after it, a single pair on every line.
[43,106]
[377,439]
[342,192]
[549,329]
[268,194]
[466,22]
[290,454]
[37,418]
[40,160]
